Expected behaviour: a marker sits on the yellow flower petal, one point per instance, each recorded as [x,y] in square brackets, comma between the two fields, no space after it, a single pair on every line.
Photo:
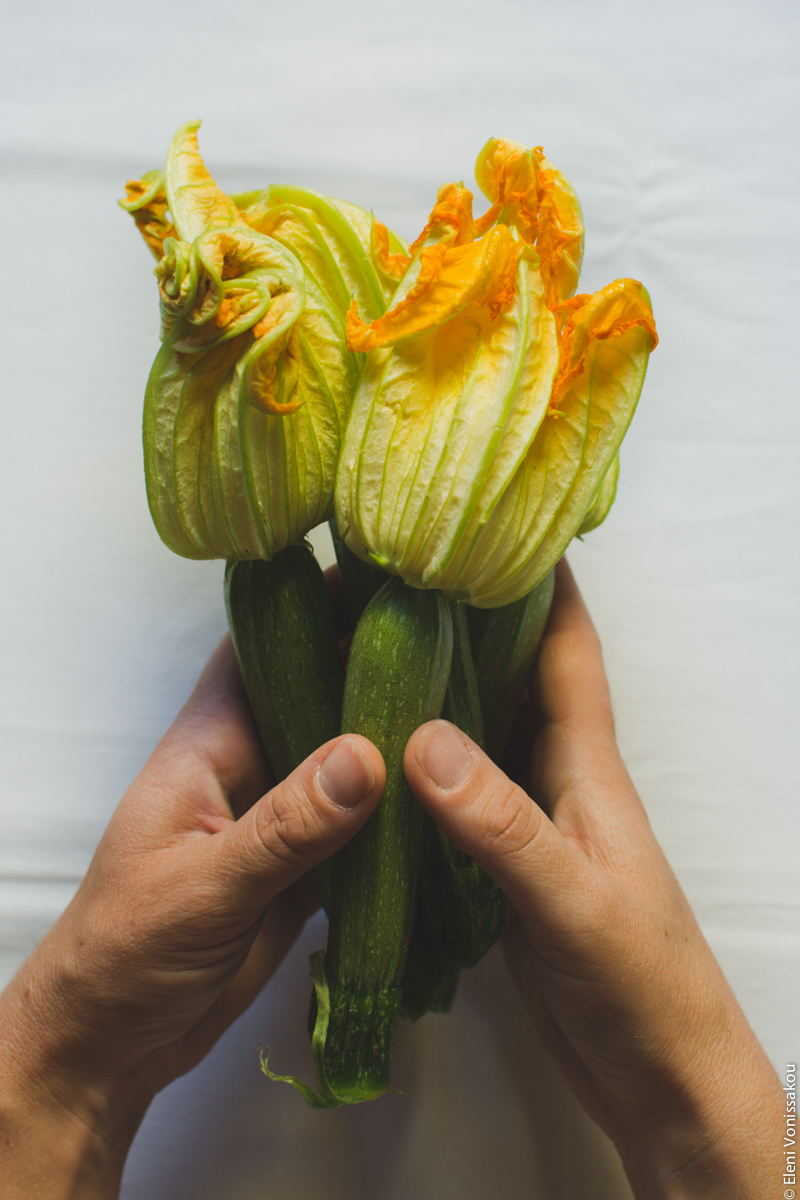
[448,279]
[508,174]
[545,503]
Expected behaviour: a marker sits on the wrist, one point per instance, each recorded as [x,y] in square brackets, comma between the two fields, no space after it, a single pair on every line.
[718,1137]
[68,1113]
[53,1154]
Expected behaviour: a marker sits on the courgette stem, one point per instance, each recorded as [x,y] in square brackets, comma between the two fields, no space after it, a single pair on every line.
[462,704]
[360,580]
[396,680]
[504,645]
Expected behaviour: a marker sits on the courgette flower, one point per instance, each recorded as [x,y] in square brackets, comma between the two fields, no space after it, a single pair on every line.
[485,429]
[248,396]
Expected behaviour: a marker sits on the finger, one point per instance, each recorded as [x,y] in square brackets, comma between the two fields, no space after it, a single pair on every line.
[302,821]
[208,767]
[577,775]
[569,679]
[216,728]
[496,822]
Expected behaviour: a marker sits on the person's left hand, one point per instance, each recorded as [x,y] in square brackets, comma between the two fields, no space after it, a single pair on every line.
[183,916]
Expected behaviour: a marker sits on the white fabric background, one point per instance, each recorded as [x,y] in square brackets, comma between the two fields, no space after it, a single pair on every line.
[676,123]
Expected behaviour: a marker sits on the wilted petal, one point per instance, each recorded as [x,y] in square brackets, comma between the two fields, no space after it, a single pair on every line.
[146,201]
[450,220]
[617,307]
[248,397]
[195,202]
[177,282]
[438,427]
[557,483]
[446,281]
[346,230]
[542,203]
[334,240]
[392,265]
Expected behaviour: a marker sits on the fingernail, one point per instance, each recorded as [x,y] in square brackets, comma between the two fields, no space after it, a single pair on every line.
[345,776]
[443,756]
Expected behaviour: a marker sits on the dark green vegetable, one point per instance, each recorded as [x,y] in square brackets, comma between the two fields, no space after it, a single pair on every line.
[396,679]
[504,644]
[282,627]
[460,910]
[428,986]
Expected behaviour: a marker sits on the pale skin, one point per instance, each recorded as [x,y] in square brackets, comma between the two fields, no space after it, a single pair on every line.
[196,893]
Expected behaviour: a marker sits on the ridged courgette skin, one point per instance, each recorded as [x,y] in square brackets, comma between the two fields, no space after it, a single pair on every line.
[282,626]
[396,679]
[504,644]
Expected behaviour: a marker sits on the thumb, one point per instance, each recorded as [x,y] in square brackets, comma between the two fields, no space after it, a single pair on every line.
[497,823]
[305,819]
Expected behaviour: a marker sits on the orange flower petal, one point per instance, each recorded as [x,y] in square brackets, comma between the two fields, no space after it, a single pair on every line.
[541,204]
[453,208]
[146,201]
[484,223]
[393,265]
[559,238]
[450,278]
[618,306]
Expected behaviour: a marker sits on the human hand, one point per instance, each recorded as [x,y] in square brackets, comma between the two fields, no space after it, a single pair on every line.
[608,958]
[184,914]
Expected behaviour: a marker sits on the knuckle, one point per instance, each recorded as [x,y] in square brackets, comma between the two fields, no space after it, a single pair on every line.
[511,825]
[287,827]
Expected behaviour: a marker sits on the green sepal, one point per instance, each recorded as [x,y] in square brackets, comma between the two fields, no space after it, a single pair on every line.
[325,1098]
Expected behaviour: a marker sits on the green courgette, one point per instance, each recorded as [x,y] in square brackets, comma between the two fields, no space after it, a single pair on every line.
[282,627]
[460,909]
[504,645]
[396,679]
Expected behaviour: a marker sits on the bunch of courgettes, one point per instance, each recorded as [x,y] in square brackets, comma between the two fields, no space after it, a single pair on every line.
[407,909]
[459,410]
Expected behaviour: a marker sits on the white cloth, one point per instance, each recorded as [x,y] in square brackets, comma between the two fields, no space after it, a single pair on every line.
[676,123]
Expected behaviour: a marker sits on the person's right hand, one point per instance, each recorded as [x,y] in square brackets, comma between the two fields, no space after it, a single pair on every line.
[192,899]
[617,976]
